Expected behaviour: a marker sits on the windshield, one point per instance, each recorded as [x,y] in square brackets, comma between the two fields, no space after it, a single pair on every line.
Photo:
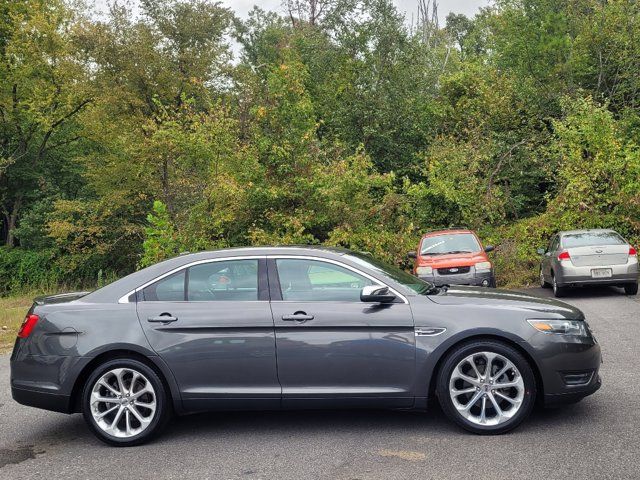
[449,243]
[389,271]
[587,239]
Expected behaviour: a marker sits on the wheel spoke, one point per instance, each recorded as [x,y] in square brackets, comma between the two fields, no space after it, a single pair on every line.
[463,391]
[468,379]
[108,387]
[475,368]
[513,401]
[98,398]
[495,405]
[502,371]
[107,412]
[483,410]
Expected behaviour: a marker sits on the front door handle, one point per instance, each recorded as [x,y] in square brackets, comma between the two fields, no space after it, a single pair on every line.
[163,318]
[297,317]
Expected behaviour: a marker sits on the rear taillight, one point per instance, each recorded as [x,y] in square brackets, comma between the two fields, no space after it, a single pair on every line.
[632,251]
[564,255]
[28,325]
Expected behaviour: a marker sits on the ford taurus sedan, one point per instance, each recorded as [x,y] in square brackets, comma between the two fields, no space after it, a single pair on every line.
[293,327]
[588,257]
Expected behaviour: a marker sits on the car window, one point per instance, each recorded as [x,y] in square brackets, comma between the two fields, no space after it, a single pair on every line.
[169,289]
[554,244]
[318,281]
[586,239]
[449,243]
[225,280]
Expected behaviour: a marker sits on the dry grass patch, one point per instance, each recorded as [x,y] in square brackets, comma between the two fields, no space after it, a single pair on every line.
[12,312]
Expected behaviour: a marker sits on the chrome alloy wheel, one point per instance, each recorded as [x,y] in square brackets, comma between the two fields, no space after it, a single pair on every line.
[486,388]
[123,402]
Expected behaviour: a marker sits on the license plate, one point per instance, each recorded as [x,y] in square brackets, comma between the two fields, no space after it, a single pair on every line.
[601,273]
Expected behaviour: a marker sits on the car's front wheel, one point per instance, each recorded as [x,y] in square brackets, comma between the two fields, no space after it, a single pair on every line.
[486,387]
[125,403]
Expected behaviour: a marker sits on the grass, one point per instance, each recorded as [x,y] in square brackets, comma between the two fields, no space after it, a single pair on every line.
[12,312]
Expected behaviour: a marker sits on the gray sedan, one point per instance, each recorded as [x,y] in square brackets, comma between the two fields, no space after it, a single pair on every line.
[588,257]
[291,327]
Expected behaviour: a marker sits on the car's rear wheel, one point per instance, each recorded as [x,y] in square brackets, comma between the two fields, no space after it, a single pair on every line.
[558,291]
[486,387]
[125,402]
[631,289]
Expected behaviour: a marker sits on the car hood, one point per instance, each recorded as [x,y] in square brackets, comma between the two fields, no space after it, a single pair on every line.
[452,260]
[460,295]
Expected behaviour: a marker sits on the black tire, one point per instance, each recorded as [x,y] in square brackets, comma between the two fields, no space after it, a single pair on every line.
[543,282]
[464,350]
[631,289]
[558,291]
[160,418]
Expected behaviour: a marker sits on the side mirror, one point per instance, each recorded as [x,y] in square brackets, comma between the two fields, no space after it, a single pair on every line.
[412,255]
[541,251]
[489,248]
[377,294]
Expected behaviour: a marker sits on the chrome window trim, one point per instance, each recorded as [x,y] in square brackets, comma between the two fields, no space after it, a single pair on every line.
[340,264]
[125,297]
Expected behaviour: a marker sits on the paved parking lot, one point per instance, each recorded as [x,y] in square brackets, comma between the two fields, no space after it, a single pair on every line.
[597,438]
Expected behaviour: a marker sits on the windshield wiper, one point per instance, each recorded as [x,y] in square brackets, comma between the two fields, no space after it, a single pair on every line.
[456,251]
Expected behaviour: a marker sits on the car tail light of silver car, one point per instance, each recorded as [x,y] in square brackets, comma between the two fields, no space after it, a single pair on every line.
[28,325]
[632,251]
[562,327]
[564,255]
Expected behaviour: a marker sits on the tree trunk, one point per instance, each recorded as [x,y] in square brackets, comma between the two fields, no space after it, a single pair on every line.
[12,221]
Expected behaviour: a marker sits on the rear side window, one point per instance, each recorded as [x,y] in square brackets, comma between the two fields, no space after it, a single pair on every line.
[586,239]
[228,280]
[207,282]
[169,289]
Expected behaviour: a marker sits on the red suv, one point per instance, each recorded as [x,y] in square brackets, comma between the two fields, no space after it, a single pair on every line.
[455,257]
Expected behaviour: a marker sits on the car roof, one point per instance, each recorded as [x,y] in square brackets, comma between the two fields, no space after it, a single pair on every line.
[447,230]
[587,230]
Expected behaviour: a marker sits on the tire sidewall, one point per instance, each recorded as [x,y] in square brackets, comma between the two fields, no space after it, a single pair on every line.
[162,410]
[514,356]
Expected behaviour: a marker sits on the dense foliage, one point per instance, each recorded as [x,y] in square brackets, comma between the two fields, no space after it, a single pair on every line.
[131,137]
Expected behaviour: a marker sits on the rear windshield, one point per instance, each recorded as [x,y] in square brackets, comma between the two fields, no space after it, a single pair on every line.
[586,239]
[449,243]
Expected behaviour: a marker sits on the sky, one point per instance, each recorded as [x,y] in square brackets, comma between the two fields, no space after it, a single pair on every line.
[468,7]
[241,7]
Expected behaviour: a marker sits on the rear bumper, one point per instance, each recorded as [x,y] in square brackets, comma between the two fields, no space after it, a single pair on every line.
[568,275]
[482,279]
[45,400]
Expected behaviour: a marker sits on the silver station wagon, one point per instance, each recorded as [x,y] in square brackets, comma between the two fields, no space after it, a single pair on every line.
[589,257]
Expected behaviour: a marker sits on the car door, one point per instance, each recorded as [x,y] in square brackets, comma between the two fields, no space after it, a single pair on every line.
[547,258]
[333,349]
[212,324]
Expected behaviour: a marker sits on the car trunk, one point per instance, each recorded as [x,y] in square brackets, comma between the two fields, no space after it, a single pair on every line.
[600,255]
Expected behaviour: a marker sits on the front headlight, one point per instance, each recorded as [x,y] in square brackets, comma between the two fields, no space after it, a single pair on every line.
[483,267]
[563,327]
[424,270]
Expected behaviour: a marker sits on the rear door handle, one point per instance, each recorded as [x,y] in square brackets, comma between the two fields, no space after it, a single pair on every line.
[163,318]
[297,317]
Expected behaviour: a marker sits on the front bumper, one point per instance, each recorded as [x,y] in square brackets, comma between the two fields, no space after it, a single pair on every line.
[562,361]
[473,278]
